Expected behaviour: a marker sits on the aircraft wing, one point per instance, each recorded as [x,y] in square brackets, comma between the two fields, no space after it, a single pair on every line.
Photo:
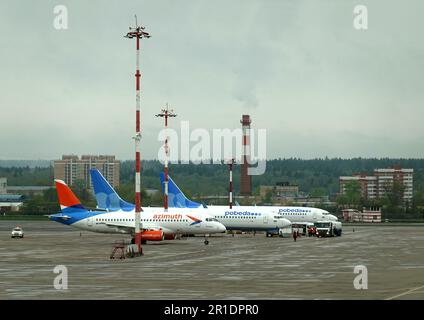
[125,227]
[118,225]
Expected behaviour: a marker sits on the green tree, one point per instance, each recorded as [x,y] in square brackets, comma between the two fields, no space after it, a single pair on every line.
[393,199]
[127,192]
[268,197]
[353,193]
[318,192]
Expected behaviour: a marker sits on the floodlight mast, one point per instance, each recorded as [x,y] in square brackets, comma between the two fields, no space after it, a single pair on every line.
[230,196]
[166,113]
[138,33]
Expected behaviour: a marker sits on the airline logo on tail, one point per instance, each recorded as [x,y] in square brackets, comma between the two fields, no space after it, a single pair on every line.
[196,221]
[68,201]
[106,196]
[176,198]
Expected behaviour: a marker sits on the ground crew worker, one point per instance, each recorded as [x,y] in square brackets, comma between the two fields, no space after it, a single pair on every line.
[294,236]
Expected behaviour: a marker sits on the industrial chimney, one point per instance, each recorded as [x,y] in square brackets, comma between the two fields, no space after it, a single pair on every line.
[245,179]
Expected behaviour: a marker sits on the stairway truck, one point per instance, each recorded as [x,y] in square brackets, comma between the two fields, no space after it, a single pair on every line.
[328,228]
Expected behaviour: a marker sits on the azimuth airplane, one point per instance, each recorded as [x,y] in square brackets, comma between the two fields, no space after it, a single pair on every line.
[156,224]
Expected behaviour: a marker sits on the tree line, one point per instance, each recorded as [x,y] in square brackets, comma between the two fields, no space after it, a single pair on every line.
[315,177]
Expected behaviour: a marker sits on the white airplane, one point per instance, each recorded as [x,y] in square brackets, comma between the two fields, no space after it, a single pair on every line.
[296,215]
[246,219]
[156,225]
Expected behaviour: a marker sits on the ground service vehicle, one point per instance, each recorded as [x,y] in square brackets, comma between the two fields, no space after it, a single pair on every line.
[17,232]
[328,228]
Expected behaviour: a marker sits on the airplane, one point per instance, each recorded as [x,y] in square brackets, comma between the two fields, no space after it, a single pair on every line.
[250,219]
[156,225]
[296,215]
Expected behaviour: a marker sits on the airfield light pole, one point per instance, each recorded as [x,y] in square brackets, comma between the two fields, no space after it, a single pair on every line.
[138,33]
[166,113]
[230,167]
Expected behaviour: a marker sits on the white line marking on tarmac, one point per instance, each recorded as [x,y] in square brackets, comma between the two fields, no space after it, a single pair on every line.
[405,293]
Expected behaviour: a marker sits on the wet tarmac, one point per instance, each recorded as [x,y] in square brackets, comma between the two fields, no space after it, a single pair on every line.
[239,267]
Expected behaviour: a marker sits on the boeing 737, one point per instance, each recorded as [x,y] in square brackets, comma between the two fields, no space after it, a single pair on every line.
[296,215]
[245,219]
[156,224]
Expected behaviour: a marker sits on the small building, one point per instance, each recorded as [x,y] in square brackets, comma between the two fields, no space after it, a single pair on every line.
[29,191]
[280,190]
[370,215]
[348,214]
[11,202]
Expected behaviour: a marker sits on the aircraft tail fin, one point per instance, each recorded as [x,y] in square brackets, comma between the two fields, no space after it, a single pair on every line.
[69,203]
[106,196]
[176,198]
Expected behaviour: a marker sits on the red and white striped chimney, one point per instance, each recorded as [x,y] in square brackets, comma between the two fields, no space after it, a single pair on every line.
[245,178]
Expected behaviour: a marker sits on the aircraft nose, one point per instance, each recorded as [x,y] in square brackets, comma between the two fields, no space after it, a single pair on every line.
[221,227]
[333,217]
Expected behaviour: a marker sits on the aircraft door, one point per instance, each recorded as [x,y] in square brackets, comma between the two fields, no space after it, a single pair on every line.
[265,219]
[89,221]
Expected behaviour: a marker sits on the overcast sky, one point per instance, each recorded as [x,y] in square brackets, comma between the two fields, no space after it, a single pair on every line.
[299,68]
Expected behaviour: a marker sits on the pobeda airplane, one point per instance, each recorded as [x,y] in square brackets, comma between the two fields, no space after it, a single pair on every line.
[156,224]
[243,218]
[296,215]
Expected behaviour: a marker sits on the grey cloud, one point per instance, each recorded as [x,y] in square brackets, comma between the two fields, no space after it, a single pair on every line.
[298,67]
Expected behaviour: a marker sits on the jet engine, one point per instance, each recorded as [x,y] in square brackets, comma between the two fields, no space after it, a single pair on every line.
[152,235]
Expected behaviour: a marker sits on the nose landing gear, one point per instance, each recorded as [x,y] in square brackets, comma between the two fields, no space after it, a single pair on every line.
[206,242]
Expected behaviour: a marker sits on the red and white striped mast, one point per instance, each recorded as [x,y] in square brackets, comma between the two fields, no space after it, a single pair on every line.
[165,113]
[138,33]
[230,167]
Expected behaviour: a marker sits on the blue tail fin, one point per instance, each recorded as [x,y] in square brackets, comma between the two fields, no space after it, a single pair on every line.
[176,198]
[106,196]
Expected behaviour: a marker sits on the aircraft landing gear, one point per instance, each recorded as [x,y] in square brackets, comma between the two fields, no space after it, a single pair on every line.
[206,242]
